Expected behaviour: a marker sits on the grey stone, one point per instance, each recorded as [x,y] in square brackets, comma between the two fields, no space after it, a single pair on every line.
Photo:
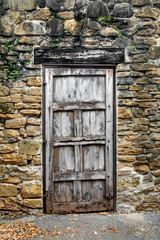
[125,81]
[55,27]
[122,10]
[93,25]
[30,28]
[119,42]
[81,3]
[41,3]
[137,112]
[154,118]
[97,9]
[2,11]
[156,3]
[61,5]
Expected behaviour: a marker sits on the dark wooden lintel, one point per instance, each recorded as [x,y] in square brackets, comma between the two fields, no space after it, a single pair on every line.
[79,56]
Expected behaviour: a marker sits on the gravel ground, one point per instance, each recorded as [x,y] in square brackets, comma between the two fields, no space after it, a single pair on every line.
[141,226]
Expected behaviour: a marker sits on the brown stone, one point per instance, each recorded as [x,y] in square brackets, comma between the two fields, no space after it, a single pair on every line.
[154,52]
[5,26]
[144,121]
[30,28]
[15,123]
[155,165]
[11,133]
[66,15]
[141,81]
[135,87]
[1,159]
[16,98]
[37,160]
[30,112]
[158,27]
[5,99]
[36,91]
[155,136]
[146,32]
[137,138]
[17,17]
[151,41]
[142,169]
[156,173]
[146,104]
[10,203]
[13,116]
[129,151]
[8,190]
[7,148]
[40,14]
[124,172]
[30,173]
[124,164]
[137,128]
[135,181]
[34,121]
[33,130]
[31,189]
[91,42]
[124,113]
[2,170]
[144,66]
[123,74]
[33,203]
[140,58]
[32,106]
[31,99]
[153,73]
[4,91]
[15,159]
[20,5]
[30,39]
[147,12]
[148,207]
[124,144]
[123,182]
[73,27]
[19,105]
[11,179]
[107,32]
[139,3]
[30,147]
[126,158]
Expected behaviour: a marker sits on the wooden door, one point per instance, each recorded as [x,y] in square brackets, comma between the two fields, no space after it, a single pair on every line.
[78,125]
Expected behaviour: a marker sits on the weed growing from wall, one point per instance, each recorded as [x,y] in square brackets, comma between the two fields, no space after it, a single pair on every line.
[12,73]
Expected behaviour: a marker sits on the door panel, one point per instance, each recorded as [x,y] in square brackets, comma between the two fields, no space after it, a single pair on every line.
[79,146]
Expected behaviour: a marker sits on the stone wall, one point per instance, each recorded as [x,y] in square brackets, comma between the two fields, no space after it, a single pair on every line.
[26,24]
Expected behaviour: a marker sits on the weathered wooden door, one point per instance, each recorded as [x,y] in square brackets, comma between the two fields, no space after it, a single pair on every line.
[78,125]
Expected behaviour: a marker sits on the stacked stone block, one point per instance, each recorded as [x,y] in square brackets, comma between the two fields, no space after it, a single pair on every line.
[134,25]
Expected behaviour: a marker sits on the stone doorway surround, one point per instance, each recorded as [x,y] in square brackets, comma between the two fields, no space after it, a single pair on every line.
[52,57]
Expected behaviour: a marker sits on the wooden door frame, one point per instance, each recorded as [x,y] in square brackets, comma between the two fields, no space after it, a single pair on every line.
[44,116]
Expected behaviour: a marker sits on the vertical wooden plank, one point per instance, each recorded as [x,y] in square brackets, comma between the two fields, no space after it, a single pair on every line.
[77,123]
[77,191]
[66,159]
[77,153]
[109,135]
[48,135]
